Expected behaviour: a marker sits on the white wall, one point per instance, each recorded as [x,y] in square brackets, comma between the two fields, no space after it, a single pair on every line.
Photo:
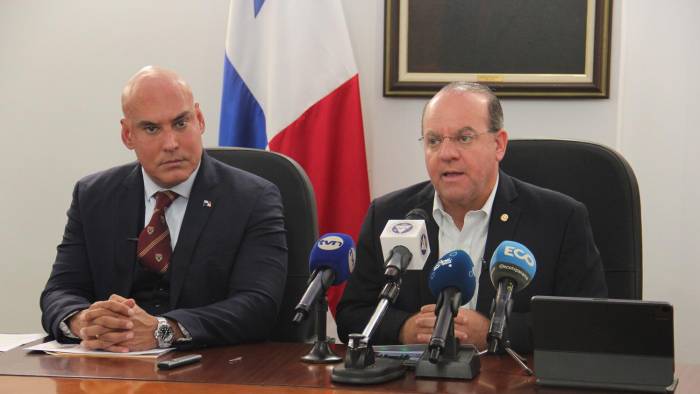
[659,111]
[62,65]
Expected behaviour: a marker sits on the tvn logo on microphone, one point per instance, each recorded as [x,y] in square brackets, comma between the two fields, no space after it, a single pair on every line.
[332,242]
[351,259]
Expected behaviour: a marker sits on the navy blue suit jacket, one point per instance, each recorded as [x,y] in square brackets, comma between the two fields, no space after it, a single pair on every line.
[228,269]
[553,226]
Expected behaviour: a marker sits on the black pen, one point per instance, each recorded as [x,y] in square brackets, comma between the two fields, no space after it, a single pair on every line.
[180,361]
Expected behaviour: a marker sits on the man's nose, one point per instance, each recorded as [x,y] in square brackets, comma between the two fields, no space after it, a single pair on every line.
[170,139]
[448,148]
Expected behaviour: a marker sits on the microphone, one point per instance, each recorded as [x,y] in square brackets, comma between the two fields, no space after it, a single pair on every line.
[512,268]
[331,261]
[405,244]
[452,281]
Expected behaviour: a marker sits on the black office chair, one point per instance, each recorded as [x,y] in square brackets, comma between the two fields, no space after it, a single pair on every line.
[300,221]
[601,179]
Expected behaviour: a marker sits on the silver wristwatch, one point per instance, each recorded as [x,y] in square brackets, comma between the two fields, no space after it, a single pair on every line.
[164,333]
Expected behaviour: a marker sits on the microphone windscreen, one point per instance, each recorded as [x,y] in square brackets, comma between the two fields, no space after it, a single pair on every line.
[411,233]
[514,261]
[335,251]
[454,269]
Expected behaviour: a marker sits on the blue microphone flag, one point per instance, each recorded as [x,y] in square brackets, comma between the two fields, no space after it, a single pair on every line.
[335,251]
[454,269]
[514,261]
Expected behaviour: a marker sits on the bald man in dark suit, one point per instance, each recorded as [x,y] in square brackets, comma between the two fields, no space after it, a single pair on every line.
[176,249]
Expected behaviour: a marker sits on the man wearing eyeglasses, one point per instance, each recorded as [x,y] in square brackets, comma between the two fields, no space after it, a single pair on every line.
[472,206]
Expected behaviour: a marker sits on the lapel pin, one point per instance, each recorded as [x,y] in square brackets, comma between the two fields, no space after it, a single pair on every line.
[504,217]
[206,203]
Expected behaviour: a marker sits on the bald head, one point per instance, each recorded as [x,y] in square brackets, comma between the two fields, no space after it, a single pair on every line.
[463,145]
[162,124]
[493,105]
[152,79]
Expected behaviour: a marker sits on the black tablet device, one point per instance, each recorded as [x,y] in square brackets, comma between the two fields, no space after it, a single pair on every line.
[603,343]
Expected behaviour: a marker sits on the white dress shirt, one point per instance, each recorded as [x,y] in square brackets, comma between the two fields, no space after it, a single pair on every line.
[471,238]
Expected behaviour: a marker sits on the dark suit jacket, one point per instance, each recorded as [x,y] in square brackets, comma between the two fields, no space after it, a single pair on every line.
[553,226]
[228,269]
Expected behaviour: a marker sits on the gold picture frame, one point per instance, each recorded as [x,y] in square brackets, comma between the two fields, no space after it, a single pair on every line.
[528,48]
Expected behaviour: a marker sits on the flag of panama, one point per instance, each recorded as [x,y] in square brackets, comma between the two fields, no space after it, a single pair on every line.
[291,85]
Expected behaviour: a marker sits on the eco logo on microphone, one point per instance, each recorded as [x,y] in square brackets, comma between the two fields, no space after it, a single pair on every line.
[332,242]
[401,228]
[519,254]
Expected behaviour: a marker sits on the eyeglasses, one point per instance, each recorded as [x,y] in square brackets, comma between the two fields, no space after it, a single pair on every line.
[462,140]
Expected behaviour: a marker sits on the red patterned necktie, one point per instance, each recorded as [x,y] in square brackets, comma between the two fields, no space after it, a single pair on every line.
[154,247]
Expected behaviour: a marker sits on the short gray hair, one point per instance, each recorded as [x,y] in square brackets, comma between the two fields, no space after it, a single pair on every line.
[494,105]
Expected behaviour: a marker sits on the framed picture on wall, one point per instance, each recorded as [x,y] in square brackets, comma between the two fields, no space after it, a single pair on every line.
[520,48]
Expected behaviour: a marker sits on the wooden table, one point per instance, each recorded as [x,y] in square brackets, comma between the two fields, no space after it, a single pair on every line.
[262,368]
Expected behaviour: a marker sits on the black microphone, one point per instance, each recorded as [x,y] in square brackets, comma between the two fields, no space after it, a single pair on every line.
[512,268]
[452,281]
[331,261]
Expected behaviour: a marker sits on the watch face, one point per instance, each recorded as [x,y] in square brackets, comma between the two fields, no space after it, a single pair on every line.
[164,334]
[163,331]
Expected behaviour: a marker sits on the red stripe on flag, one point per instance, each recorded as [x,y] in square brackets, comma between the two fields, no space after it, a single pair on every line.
[327,140]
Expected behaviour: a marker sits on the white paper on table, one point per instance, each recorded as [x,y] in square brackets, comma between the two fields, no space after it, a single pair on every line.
[56,348]
[11,341]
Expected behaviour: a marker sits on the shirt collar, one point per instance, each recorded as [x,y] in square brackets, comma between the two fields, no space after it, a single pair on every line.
[183,189]
[439,213]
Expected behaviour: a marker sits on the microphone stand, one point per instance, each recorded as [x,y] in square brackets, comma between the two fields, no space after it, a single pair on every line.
[321,352]
[361,367]
[496,342]
[451,361]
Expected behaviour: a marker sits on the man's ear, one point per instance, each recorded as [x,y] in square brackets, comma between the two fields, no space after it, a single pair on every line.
[127,135]
[501,144]
[200,117]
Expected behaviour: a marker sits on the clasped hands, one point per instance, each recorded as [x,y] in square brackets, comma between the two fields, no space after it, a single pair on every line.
[470,327]
[116,325]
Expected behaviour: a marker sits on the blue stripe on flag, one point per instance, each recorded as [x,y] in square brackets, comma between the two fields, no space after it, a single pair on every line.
[258,5]
[242,119]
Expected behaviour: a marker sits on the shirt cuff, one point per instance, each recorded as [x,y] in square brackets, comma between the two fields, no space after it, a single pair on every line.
[63,326]
[186,334]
